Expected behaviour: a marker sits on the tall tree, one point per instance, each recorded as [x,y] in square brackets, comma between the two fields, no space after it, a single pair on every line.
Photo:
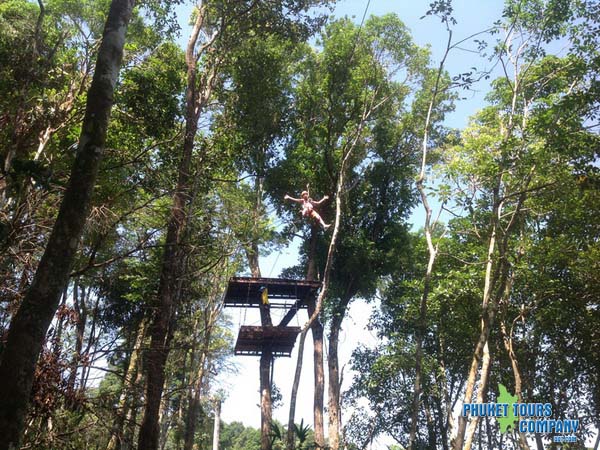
[348,96]
[30,323]
[45,73]
[490,245]
[218,29]
[520,166]
[197,94]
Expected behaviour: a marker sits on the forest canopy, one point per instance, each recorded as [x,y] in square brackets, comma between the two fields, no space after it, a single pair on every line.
[151,151]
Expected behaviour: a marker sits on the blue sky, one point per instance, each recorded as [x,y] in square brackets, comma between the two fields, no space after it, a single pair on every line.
[471,16]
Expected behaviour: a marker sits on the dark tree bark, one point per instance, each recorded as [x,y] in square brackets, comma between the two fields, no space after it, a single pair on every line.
[132,413]
[317,335]
[252,255]
[160,332]
[335,420]
[193,412]
[197,94]
[210,317]
[311,269]
[319,376]
[334,390]
[266,361]
[266,406]
[30,323]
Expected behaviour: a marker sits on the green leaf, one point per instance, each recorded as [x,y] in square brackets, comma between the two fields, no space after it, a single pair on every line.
[510,419]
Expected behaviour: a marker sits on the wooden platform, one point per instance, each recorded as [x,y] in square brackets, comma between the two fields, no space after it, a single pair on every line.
[245,292]
[253,340]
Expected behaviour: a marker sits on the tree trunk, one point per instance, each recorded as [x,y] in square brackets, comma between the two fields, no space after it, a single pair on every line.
[508,345]
[172,263]
[334,387]
[131,416]
[165,418]
[266,360]
[317,334]
[470,385]
[496,287]
[30,323]
[311,269]
[252,255]
[486,320]
[313,317]
[319,376]
[421,327]
[540,444]
[182,406]
[291,435]
[443,427]
[81,312]
[130,374]
[334,384]
[431,249]
[154,365]
[194,410]
[447,417]
[481,393]
[217,425]
[194,402]
[431,435]
[265,399]
[171,271]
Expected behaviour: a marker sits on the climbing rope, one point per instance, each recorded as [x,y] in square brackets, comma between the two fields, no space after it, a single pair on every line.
[275,262]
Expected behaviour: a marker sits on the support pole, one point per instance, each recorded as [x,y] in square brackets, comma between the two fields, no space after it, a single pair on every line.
[265,382]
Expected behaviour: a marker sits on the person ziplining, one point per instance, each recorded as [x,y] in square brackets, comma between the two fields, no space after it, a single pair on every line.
[308,207]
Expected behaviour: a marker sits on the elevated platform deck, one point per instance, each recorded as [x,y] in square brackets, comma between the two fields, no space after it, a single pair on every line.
[246,292]
[252,340]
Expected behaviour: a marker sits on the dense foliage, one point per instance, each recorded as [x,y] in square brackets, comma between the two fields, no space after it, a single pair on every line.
[272,97]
